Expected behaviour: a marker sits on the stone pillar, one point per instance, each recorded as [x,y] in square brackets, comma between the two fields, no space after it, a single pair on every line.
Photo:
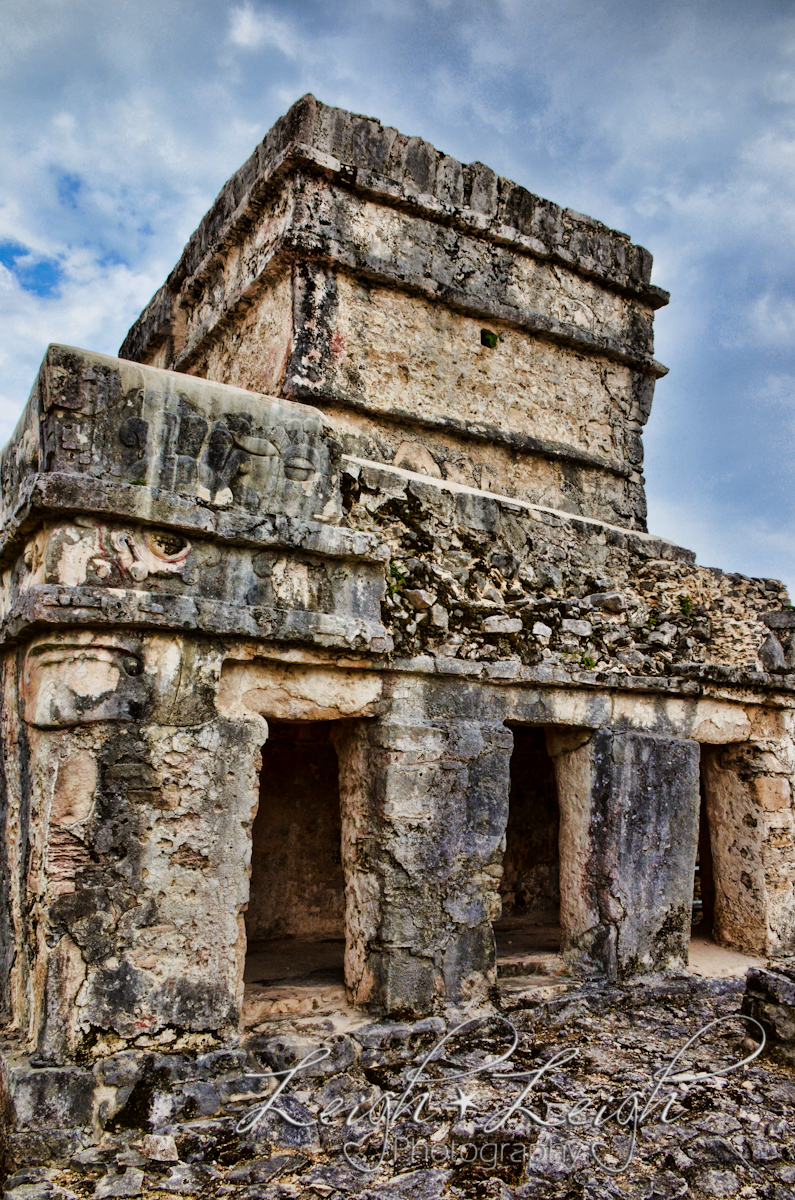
[15,932]
[140,801]
[749,799]
[628,836]
[424,810]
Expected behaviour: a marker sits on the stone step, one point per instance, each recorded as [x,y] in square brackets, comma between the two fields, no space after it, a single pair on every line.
[512,965]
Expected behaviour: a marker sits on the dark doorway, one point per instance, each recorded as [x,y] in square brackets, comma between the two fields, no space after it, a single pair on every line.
[530,923]
[295,923]
[704,879]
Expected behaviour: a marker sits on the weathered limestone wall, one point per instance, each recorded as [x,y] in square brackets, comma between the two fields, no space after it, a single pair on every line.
[14,848]
[507,340]
[139,505]
[423,785]
[154,520]
[402,354]
[178,504]
[748,794]
[628,837]
[481,577]
[130,815]
[137,801]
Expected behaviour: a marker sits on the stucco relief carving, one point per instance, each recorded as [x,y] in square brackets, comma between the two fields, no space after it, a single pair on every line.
[133,435]
[236,458]
[118,559]
[113,421]
[141,553]
[77,678]
[241,460]
[88,552]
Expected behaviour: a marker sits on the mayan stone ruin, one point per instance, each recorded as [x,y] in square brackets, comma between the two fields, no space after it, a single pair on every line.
[335,641]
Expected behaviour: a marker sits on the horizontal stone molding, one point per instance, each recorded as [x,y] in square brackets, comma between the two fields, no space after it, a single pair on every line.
[497,211]
[296,245]
[692,680]
[310,393]
[48,605]
[44,495]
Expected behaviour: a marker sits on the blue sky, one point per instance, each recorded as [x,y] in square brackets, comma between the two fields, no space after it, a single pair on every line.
[675,122]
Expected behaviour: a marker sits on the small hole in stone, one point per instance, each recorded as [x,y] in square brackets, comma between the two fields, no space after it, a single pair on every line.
[133,666]
[487,338]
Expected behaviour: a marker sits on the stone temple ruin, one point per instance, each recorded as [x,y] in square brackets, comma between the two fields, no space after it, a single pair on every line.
[332,629]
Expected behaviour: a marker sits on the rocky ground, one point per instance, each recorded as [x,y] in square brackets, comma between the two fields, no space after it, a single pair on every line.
[578,1065]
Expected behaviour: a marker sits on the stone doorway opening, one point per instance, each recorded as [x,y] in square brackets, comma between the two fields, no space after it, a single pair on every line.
[726,933]
[295,921]
[528,933]
[703,917]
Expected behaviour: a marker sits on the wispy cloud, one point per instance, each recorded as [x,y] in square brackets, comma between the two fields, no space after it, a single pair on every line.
[251,29]
[771,321]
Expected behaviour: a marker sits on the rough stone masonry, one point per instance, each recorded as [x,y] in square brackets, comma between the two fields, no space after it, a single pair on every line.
[365,482]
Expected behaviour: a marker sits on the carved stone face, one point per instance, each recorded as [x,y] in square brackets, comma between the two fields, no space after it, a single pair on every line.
[232,449]
[251,457]
[88,551]
[143,552]
[76,678]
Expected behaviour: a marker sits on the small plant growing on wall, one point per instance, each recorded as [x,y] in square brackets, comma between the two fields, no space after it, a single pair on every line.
[397,579]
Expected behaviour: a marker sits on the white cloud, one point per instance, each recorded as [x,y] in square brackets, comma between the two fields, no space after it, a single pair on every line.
[251,29]
[779,390]
[767,322]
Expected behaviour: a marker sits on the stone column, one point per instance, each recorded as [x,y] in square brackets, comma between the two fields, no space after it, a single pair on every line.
[15,933]
[424,810]
[140,800]
[628,836]
[749,799]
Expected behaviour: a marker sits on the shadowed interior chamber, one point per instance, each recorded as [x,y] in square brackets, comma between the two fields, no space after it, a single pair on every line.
[530,887]
[295,922]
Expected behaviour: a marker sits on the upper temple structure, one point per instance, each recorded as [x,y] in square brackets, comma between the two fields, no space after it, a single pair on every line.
[332,632]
